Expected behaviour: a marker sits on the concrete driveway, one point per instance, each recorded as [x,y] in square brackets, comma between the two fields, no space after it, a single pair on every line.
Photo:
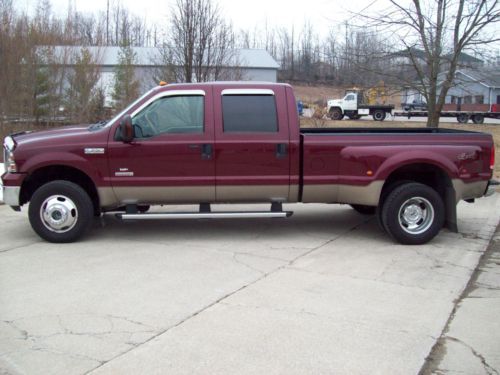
[322,292]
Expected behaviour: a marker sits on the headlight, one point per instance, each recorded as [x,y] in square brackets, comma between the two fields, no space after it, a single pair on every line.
[8,155]
[9,143]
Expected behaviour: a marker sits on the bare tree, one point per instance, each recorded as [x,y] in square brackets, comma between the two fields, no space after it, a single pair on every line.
[200,40]
[441,30]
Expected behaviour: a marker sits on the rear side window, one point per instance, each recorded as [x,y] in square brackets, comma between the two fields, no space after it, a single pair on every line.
[249,114]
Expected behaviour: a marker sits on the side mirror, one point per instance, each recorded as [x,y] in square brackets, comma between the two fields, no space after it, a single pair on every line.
[127,129]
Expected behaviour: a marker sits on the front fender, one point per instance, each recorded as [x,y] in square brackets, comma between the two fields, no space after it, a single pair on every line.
[65,159]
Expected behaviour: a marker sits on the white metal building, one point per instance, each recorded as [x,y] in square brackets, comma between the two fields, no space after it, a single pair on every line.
[252,64]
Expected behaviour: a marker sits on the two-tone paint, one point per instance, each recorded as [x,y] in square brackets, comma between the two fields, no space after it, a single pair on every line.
[320,165]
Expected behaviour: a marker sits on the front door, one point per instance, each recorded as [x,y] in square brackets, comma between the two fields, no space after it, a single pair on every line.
[171,158]
[252,144]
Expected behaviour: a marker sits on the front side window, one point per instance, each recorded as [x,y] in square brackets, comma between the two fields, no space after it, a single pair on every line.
[249,114]
[170,115]
[349,97]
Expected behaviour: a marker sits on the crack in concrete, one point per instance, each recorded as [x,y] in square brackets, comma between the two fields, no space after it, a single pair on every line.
[437,352]
[489,370]
[234,257]
[37,342]
[243,287]
[19,247]
[377,279]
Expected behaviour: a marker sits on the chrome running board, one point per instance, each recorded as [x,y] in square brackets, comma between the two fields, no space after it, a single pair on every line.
[205,215]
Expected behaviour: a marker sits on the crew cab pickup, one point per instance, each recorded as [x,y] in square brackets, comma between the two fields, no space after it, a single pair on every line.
[239,143]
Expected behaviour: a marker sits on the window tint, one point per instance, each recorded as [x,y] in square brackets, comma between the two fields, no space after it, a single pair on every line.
[171,114]
[249,113]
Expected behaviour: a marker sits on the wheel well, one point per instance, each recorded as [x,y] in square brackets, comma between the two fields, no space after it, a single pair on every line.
[423,173]
[431,176]
[59,172]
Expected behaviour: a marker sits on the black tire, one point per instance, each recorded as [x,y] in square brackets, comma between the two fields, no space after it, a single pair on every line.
[379,115]
[364,210]
[143,208]
[478,119]
[60,211]
[463,118]
[413,213]
[336,114]
[383,196]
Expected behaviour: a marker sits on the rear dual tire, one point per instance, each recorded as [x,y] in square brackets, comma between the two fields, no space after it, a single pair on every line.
[412,213]
[379,115]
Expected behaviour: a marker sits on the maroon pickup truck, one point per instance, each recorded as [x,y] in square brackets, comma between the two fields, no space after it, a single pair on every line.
[240,142]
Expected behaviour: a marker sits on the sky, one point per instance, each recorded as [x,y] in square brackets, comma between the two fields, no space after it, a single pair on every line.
[246,15]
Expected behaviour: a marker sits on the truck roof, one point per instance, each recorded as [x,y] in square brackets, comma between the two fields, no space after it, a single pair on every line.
[225,83]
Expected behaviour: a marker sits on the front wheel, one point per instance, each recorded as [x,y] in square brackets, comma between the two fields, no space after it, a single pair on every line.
[413,213]
[379,115]
[60,211]
[336,114]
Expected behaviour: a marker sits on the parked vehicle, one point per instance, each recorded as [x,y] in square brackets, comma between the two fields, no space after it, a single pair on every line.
[414,106]
[240,142]
[462,116]
[354,106]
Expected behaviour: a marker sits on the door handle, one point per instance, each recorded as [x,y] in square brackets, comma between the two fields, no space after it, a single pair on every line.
[206,151]
[281,150]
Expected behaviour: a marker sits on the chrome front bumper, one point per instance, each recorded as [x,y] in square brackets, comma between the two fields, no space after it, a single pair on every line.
[11,195]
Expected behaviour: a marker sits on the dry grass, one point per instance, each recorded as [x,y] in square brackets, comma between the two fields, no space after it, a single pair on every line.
[493,129]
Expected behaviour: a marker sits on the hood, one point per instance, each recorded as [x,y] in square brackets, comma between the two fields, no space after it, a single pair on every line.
[335,101]
[56,135]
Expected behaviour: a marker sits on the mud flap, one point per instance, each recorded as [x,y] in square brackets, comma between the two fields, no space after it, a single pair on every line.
[450,204]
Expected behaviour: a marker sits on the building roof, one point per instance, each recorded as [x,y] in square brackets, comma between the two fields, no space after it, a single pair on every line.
[150,56]
[486,77]
[463,58]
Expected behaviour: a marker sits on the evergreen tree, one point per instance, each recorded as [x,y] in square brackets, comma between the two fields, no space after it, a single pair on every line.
[82,90]
[126,86]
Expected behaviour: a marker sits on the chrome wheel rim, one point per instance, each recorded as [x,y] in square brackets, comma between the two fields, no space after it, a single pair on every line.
[58,213]
[416,215]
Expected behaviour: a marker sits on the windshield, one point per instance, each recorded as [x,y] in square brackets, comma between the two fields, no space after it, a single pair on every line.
[119,115]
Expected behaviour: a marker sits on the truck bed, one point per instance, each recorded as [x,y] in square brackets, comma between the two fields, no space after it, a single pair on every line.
[399,131]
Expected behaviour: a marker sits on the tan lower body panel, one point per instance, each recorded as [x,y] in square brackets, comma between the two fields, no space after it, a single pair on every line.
[112,197]
[164,194]
[338,193]
[469,190]
[253,193]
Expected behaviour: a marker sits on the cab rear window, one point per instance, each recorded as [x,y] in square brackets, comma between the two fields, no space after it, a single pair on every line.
[249,114]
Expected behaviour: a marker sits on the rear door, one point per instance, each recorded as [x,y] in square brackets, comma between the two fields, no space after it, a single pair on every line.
[171,158]
[252,144]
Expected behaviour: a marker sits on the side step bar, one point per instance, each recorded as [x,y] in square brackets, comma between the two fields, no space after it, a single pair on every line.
[204,215]
[132,213]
